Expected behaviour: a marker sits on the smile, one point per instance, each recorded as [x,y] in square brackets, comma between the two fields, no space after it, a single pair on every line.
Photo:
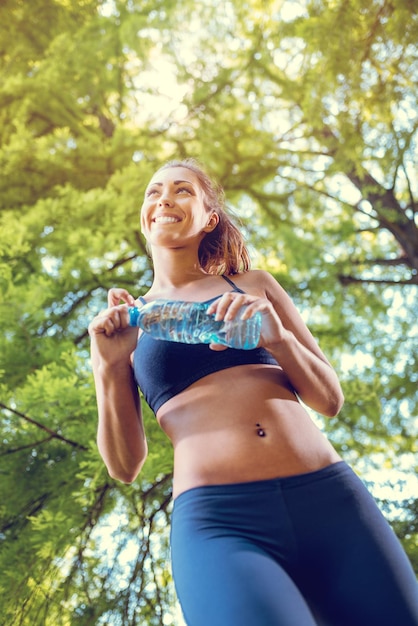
[166,219]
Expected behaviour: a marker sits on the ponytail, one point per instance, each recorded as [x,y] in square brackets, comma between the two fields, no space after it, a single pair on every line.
[222,251]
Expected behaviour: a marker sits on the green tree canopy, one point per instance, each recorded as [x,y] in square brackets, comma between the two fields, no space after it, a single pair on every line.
[306,112]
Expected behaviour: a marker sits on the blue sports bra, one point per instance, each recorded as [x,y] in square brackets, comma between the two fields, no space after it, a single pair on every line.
[164,368]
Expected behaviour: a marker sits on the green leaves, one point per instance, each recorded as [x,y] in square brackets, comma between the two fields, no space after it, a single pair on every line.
[306,113]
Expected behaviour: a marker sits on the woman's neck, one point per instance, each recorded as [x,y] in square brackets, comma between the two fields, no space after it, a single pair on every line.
[175,268]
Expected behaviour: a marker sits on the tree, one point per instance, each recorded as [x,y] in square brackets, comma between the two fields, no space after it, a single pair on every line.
[308,118]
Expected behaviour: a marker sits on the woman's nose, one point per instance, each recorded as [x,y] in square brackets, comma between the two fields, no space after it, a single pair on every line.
[165,200]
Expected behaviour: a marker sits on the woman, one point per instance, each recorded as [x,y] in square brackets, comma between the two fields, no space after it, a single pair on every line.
[270,527]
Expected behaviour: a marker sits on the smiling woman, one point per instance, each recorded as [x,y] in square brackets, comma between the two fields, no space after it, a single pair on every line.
[269,525]
[175,201]
[222,249]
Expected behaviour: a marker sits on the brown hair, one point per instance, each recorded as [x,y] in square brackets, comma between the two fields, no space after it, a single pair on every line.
[222,251]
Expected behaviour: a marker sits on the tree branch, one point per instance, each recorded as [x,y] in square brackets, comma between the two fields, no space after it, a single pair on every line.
[53,434]
[347,279]
[401,260]
[26,447]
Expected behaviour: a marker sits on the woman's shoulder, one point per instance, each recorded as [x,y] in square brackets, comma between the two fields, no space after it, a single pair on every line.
[254,281]
[264,285]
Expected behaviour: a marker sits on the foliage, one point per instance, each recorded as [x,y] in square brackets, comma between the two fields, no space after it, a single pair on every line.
[307,113]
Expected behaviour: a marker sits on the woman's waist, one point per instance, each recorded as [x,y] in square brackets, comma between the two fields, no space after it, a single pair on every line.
[204,469]
[249,446]
[250,489]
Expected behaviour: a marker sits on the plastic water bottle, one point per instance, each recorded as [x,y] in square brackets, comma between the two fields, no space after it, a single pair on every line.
[189,322]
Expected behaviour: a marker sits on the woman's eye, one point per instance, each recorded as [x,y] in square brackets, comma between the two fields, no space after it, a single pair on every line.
[156,191]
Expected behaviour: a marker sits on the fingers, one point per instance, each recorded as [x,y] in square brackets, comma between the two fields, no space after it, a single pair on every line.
[228,306]
[116,295]
[217,347]
[110,321]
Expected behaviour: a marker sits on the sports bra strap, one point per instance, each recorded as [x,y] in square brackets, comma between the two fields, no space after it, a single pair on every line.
[228,280]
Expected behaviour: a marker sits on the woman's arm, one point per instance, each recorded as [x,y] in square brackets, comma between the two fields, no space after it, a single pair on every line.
[287,337]
[310,373]
[120,437]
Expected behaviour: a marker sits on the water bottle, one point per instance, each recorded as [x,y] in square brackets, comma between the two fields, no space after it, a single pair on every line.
[188,322]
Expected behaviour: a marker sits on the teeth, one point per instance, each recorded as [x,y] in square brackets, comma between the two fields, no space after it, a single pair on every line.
[165,219]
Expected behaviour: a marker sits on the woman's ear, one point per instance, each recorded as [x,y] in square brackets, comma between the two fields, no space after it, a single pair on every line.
[212,223]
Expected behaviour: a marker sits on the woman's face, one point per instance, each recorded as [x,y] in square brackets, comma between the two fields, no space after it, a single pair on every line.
[173,211]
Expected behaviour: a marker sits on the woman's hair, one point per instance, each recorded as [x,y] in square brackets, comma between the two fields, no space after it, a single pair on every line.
[222,251]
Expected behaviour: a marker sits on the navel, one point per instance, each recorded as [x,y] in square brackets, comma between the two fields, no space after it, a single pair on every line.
[260,430]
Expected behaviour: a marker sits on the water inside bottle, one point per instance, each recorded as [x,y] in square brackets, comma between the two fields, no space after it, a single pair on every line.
[188,322]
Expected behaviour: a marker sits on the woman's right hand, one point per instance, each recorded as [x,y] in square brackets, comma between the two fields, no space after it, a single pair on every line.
[112,339]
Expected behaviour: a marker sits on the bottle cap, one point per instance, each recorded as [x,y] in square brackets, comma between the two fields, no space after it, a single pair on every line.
[133,315]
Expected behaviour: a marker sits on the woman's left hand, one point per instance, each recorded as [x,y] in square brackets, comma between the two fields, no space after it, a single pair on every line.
[228,305]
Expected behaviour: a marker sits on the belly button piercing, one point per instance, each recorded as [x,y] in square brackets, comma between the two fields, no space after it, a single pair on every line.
[260,431]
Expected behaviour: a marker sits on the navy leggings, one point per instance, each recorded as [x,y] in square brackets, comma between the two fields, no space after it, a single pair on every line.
[307,550]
